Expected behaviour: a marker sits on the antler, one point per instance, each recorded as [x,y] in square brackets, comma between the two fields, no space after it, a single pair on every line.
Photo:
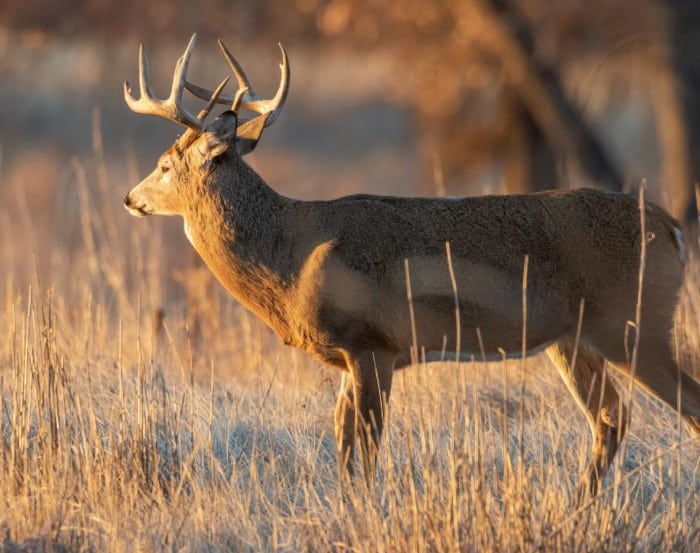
[171,108]
[245,96]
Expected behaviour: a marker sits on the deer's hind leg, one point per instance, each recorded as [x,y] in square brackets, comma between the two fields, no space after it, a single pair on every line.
[658,371]
[598,399]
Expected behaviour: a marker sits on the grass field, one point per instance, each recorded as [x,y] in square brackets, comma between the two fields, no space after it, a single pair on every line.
[143,410]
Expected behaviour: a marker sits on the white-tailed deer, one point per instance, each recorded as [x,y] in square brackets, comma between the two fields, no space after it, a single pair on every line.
[330,277]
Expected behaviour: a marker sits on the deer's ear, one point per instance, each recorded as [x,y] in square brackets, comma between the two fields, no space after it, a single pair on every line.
[218,136]
[248,134]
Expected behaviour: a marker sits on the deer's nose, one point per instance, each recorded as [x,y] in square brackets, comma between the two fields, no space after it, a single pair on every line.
[127,201]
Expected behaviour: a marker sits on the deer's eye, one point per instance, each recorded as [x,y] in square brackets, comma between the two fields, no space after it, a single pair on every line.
[165,168]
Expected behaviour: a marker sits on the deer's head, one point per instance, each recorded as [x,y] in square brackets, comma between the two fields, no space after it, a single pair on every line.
[167,190]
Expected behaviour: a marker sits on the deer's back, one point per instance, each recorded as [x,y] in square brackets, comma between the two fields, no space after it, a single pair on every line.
[555,229]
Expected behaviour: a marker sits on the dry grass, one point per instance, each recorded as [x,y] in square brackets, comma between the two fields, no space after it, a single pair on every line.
[120,435]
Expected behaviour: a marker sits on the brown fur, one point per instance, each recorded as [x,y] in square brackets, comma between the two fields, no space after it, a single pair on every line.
[329,278]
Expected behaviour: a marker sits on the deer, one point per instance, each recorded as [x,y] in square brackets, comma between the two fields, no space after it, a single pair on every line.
[332,277]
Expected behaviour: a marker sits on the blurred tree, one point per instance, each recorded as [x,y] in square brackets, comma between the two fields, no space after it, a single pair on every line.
[111,19]
[526,87]
[685,48]
[513,95]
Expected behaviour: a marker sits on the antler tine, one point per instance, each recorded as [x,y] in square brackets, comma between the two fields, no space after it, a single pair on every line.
[144,85]
[202,115]
[281,95]
[170,108]
[241,77]
[245,96]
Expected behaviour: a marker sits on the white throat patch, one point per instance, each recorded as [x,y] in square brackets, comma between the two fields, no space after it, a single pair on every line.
[188,233]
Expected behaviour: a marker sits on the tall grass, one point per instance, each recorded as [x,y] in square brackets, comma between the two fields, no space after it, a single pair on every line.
[126,431]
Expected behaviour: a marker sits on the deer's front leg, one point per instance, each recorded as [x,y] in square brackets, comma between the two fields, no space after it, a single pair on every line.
[344,418]
[361,409]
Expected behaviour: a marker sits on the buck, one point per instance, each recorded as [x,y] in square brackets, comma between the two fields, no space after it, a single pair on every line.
[331,277]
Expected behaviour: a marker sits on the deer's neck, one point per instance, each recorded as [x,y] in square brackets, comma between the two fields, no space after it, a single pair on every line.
[235,226]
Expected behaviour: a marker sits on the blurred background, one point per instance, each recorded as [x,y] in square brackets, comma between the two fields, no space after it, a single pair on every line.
[419,97]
